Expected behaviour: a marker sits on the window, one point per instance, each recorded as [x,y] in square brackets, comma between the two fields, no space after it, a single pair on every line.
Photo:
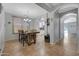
[41,25]
[20,24]
[17,24]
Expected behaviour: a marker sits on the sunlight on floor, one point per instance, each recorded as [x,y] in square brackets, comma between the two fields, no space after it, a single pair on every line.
[40,45]
[70,44]
[65,36]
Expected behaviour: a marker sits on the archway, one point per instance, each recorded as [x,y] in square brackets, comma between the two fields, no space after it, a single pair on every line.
[68,31]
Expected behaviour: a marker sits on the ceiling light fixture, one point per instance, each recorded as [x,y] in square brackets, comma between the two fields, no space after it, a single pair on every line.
[26,20]
[29,20]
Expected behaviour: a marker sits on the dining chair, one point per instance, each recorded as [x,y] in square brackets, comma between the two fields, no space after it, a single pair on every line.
[23,38]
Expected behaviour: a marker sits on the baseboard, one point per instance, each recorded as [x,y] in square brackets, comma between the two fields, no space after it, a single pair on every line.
[10,39]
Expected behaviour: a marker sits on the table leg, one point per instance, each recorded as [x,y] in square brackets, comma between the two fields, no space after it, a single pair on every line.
[34,38]
[29,40]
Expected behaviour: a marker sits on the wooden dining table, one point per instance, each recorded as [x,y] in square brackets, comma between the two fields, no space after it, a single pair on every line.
[32,37]
[28,36]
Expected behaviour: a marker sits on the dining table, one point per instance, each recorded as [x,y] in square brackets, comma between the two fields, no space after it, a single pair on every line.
[28,36]
[31,37]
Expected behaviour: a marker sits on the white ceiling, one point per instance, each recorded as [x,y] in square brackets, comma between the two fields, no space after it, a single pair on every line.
[24,9]
[34,10]
[68,6]
[60,7]
[50,6]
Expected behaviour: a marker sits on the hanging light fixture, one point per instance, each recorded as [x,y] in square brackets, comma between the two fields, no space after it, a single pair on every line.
[30,20]
[27,19]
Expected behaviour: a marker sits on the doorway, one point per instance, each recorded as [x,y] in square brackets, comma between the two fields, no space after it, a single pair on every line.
[68,31]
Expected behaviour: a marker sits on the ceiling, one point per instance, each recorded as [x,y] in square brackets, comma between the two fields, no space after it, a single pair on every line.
[61,7]
[49,6]
[24,9]
[34,10]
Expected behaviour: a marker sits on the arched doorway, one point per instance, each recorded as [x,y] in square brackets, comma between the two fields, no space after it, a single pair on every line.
[68,31]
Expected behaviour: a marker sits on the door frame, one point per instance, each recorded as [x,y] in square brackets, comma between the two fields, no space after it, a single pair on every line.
[63,13]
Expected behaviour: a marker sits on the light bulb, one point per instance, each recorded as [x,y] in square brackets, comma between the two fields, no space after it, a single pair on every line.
[26,19]
[29,20]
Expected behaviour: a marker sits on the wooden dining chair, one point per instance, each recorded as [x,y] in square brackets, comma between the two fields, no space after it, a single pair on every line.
[19,33]
[23,38]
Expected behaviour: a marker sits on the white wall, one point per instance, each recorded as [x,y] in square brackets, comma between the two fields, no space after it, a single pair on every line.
[78,31]
[61,28]
[56,27]
[51,31]
[9,28]
[2,29]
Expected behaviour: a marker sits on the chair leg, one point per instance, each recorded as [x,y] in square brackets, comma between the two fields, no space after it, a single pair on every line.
[19,38]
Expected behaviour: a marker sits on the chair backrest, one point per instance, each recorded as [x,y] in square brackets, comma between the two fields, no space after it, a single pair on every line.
[23,35]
